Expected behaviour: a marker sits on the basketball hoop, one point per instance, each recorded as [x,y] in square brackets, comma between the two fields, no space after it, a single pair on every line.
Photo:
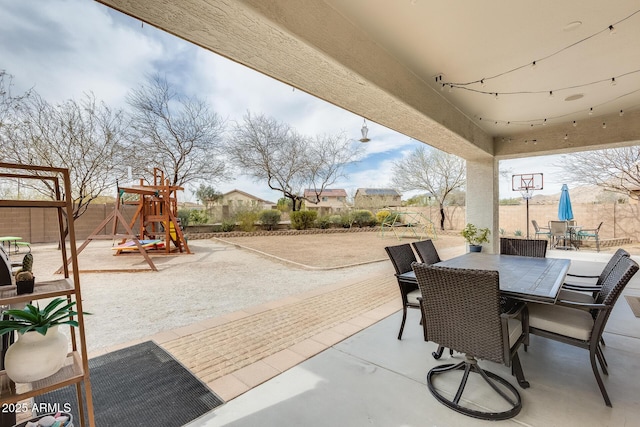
[527,193]
[526,183]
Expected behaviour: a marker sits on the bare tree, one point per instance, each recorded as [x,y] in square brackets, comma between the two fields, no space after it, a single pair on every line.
[615,169]
[272,151]
[178,134]
[7,100]
[430,170]
[83,136]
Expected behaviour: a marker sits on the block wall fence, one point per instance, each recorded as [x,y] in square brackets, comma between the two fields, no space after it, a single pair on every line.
[620,220]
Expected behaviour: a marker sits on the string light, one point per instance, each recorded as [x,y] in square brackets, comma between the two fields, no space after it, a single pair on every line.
[575,124]
[550,94]
[621,113]
[604,125]
[613,81]
[566,136]
[611,29]
[544,123]
[591,111]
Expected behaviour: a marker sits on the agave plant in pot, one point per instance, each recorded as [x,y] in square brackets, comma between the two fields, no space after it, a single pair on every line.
[41,349]
[475,237]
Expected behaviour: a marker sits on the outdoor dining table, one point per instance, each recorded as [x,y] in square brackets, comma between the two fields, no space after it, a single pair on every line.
[8,240]
[522,278]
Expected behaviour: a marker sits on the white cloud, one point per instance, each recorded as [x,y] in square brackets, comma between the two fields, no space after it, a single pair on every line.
[66,48]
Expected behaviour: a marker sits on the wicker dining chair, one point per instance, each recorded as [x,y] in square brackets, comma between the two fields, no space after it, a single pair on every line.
[582,324]
[402,257]
[587,292]
[426,251]
[523,247]
[461,310]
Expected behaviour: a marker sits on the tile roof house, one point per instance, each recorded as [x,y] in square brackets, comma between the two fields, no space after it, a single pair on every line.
[238,198]
[377,198]
[331,201]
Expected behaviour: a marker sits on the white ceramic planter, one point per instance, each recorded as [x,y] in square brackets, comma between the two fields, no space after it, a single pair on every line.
[35,356]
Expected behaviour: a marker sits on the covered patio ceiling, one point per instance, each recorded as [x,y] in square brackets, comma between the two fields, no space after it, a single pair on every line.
[383,60]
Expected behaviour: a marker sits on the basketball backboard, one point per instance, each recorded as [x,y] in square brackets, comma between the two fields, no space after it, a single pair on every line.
[527,181]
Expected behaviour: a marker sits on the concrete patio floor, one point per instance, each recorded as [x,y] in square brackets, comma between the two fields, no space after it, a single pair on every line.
[339,376]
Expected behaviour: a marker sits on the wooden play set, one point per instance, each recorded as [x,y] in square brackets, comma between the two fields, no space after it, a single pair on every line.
[155,219]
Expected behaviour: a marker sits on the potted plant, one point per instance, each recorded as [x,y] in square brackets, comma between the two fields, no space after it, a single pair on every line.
[41,349]
[475,237]
[24,276]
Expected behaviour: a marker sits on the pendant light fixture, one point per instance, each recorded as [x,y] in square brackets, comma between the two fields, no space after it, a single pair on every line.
[364,131]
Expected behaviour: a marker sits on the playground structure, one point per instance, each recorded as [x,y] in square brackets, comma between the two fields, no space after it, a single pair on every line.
[156,215]
[158,227]
[413,223]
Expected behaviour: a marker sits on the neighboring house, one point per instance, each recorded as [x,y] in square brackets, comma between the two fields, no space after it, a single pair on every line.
[236,199]
[331,201]
[377,198]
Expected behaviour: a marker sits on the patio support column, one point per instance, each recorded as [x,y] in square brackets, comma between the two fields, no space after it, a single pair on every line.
[482,199]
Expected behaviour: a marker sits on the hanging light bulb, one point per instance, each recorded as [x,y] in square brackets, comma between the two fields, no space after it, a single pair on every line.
[533,65]
[443,86]
[496,97]
[566,136]
[591,111]
[550,94]
[621,113]
[482,83]
[612,30]
[604,125]
[544,123]
[575,124]
[613,81]
[364,131]
[450,88]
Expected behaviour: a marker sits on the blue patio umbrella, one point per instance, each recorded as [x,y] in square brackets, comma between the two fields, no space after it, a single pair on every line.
[565,212]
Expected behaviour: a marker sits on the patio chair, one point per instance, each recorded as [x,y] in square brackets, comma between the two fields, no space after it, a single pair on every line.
[586,292]
[541,231]
[582,324]
[426,251]
[591,233]
[523,247]
[559,230]
[402,257]
[461,310]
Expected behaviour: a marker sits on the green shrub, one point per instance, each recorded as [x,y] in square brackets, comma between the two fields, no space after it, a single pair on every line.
[270,218]
[183,215]
[228,226]
[323,222]
[362,218]
[247,220]
[303,220]
[197,217]
[517,233]
[345,220]
[335,220]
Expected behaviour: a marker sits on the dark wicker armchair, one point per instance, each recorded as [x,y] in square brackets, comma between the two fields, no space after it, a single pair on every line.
[426,251]
[461,310]
[402,257]
[582,324]
[587,292]
[523,247]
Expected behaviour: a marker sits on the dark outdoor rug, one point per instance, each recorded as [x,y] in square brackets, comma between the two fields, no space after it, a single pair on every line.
[140,385]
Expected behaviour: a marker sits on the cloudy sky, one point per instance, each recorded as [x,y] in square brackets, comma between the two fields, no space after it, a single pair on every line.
[63,49]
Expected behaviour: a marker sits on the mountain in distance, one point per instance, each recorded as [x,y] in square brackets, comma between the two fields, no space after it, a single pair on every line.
[581,194]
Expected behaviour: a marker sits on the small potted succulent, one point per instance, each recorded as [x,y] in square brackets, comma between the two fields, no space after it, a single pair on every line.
[475,237]
[41,349]
[24,276]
